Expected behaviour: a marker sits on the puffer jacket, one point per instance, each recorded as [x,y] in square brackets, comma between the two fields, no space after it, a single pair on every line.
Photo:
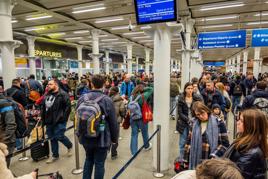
[174,87]
[119,106]
[183,120]
[252,163]
[7,122]
[5,173]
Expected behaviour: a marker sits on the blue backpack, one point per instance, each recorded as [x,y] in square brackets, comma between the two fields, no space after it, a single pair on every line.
[134,109]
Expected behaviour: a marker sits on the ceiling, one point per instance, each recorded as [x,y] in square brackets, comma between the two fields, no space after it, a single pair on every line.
[70,21]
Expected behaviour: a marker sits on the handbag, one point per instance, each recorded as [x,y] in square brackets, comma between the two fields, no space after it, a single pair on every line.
[33,94]
[37,133]
[146,110]
[126,122]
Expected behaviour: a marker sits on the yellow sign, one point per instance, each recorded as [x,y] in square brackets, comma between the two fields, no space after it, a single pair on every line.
[44,53]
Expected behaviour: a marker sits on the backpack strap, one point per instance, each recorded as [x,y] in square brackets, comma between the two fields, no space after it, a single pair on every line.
[6,109]
[28,85]
[98,99]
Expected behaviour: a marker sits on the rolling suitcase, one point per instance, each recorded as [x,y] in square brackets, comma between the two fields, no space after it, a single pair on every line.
[40,149]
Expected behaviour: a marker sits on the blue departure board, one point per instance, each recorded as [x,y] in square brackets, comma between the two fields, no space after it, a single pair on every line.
[154,11]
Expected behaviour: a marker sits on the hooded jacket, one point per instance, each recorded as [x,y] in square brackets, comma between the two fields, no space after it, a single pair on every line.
[119,105]
[249,100]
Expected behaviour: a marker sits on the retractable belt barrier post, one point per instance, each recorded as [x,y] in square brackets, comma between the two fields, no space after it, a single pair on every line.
[78,170]
[158,173]
[134,156]
[24,157]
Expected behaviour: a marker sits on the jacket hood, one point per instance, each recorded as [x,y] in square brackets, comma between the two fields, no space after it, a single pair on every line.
[260,93]
[116,98]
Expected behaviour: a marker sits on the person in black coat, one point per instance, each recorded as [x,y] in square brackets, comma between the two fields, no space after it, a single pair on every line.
[17,93]
[250,150]
[185,102]
[237,89]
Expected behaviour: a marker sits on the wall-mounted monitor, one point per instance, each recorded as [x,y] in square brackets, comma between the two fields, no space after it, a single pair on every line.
[216,64]
[155,11]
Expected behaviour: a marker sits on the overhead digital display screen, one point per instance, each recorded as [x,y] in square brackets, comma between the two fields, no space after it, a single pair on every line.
[154,11]
[216,64]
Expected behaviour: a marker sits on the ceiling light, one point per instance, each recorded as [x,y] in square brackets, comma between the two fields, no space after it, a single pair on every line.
[257,23]
[89,10]
[145,27]
[142,37]
[56,34]
[122,27]
[39,17]
[262,14]
[109,40]
[14,21]
[217,26]
[221,6]
[86,7]
[81,32]
[133,33]
[73,38]
[119,42]
[219,18]
[34,29]
[103,36]
[85,41]
[142,41]
[109,20]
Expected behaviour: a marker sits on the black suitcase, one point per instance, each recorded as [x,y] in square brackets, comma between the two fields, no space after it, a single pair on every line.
[40,149]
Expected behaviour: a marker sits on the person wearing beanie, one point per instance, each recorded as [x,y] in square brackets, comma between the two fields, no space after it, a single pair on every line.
[216,111]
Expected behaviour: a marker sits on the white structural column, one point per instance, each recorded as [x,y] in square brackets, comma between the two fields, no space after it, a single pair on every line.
[256,62]
[162,45]
[31,53]
[186,54]
[95,51]
[79,58]
[238,58]
[124,65]
[196,65]
[7,44]
[107,62]
[147,61]
[245,61]
[137,64]
[129,58]
[233,65]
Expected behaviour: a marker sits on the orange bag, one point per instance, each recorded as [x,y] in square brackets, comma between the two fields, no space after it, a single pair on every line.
[33,95]
[146,110]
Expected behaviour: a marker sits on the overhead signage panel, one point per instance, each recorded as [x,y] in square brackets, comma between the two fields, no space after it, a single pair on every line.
[228,39]
[259,38]
[153,11]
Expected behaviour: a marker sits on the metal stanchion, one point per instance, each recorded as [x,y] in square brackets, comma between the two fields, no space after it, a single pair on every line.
[78,170]
[158,173]
[24,157]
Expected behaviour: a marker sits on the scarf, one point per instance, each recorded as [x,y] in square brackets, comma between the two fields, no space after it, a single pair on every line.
[212,133]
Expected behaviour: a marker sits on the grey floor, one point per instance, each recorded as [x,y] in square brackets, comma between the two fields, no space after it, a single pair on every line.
[141,168]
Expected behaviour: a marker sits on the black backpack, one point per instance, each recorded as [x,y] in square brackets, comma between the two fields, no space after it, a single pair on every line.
[19,113]
[228,104]
[237,90]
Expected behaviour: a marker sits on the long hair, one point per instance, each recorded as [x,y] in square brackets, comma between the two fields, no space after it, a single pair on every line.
[255,131]
[185,86]
[200,107]
[220,87]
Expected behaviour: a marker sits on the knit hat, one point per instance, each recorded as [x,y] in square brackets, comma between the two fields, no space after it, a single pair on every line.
[214,106]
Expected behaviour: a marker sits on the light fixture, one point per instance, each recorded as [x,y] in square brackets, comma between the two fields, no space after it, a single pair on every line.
[145,27]
[219,18]
[34,29]
[109,20]
[257,23]
[119,42]
[103,36]
[87,7]
[38,17]
[133,33]
[217,26]
[222,6]
[14,21]
[81,32]
[142,41]
[109,40]
[56,34]
[261,14]
[89,10]
[85,41]
[122,27]
[141,37]
[73,38]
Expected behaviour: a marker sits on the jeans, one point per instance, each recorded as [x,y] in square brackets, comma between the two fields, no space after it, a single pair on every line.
[97,157]
[182,142]
[114,146]
[135,126]
[172,106]
[236,101]
[19,144]
[57,134]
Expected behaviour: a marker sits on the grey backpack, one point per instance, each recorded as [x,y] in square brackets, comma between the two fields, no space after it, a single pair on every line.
[134,109]
[262,104]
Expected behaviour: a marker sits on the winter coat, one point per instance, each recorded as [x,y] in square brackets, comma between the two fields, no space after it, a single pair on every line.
[174,87]
[111,127]
[8,122]
[119,106]
[60,110]
[5,173]
[123,88]
[19,96]
[183,120]
[249,100]
[216,99]
[252,163]
[237,82]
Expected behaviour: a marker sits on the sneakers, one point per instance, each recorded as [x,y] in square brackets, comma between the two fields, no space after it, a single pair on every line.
[114,157]
[52,160]
[176,132]
[69,152]
[148,148]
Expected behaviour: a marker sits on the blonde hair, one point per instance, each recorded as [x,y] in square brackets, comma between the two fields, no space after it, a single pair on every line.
[220,87]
